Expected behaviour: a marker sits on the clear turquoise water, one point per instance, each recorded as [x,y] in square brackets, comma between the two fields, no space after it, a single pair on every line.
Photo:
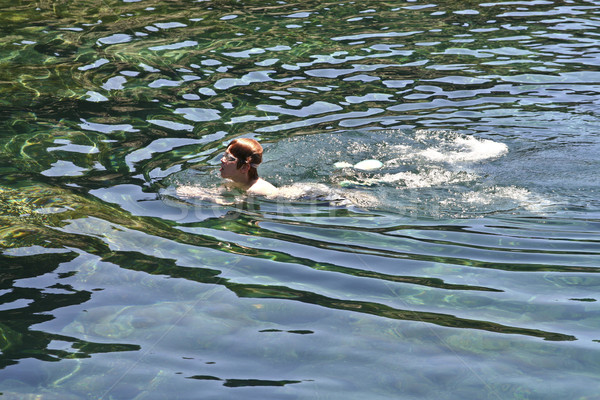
[465,267]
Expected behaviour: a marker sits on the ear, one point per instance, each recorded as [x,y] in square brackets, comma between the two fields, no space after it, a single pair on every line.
[245,168]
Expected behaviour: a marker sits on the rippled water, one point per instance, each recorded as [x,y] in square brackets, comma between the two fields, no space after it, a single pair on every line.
[462,265]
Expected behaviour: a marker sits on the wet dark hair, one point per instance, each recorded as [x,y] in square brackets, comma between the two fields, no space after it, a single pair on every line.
[247,151]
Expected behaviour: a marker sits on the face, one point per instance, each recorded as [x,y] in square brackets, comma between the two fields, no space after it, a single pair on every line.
[229,166]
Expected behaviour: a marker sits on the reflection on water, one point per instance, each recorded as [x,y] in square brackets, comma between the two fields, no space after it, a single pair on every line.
[435,235]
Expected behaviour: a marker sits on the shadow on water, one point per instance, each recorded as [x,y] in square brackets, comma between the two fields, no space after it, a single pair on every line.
[18,338]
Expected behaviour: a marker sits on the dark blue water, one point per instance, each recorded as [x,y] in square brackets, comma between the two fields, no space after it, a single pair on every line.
[461,263]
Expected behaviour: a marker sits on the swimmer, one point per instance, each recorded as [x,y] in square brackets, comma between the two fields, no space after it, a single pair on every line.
[239,164]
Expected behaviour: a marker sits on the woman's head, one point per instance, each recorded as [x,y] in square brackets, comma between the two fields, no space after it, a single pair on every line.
[247,152]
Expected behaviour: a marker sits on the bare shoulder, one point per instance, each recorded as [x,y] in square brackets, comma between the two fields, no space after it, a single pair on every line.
[262,188]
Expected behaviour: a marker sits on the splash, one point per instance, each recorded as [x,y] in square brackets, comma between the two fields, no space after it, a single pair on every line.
[322,193]
[430,172]
[427,178]
[448,147]
[464,149]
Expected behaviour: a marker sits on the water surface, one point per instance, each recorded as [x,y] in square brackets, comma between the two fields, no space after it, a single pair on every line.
[461,266]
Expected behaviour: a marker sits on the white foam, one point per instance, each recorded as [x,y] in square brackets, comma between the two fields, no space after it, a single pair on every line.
[321,192]
[342,164]
[423,179]
[495,194]
[188,191]
[364,165]
[197,193]
[465,149]
[368,165]
[299,191]
[499,198]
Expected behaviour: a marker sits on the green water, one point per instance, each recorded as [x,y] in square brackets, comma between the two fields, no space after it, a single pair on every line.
[463,267]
